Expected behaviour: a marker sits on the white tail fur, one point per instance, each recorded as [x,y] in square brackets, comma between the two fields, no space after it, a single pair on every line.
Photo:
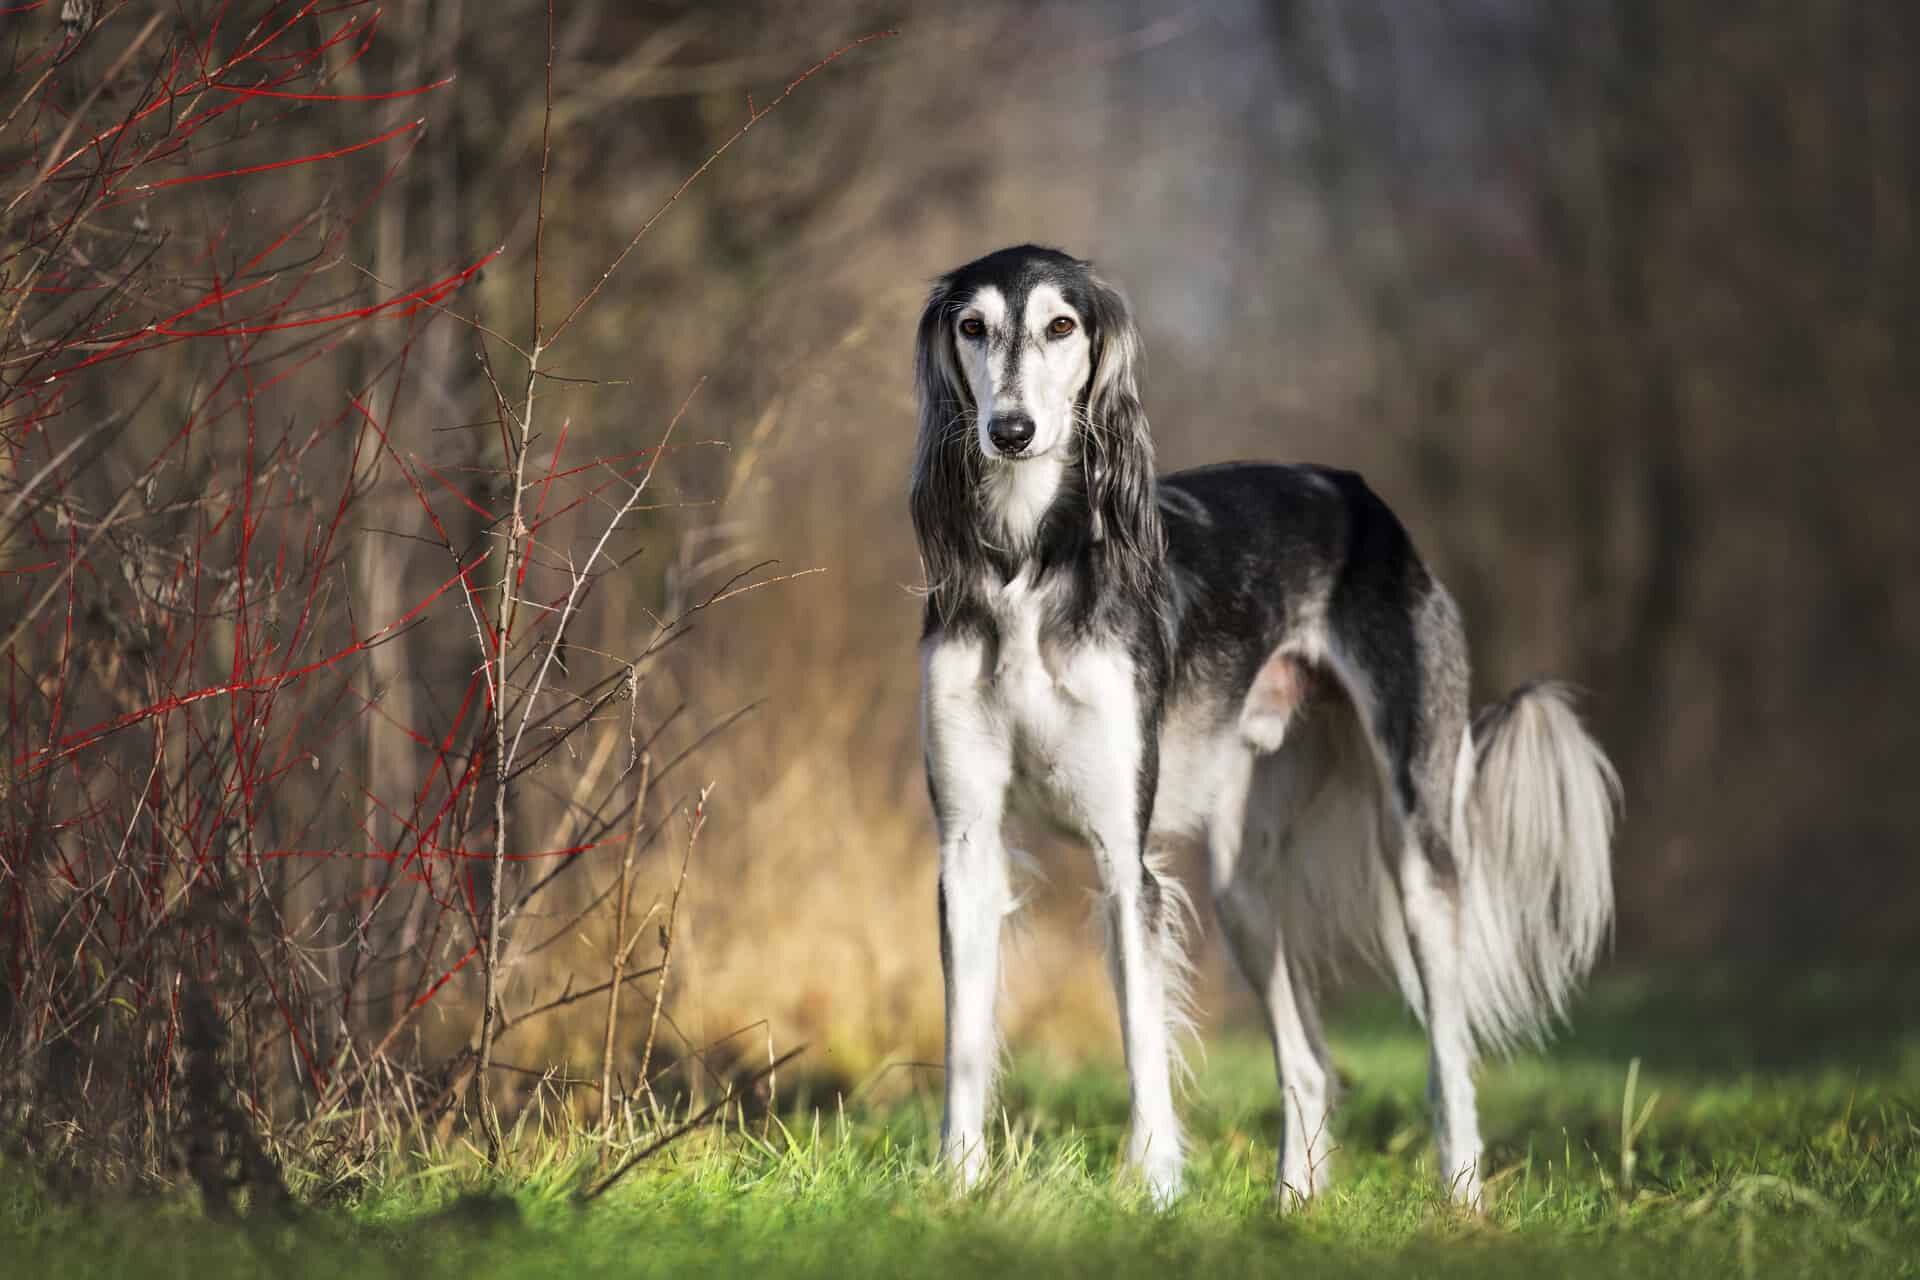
[1537,805]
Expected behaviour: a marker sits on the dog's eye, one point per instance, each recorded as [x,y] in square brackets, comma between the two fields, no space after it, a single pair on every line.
[1061,326]
[971,328]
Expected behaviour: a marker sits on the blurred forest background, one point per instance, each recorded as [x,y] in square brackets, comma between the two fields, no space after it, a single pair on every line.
[1615,301]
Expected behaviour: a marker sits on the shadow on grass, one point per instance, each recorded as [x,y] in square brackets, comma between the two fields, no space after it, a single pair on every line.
[1711,1023]
[1698,1029]
[1737,1059]
[1757,1021]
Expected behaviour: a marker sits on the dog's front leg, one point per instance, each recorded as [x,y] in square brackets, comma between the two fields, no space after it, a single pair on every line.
[1144,955]
[1114,768]
[969,765]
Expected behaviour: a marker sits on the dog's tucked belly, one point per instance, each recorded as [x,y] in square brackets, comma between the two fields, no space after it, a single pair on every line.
[1192,747]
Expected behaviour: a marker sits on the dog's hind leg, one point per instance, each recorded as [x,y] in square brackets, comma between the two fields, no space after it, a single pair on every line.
[1418,828]
[1403,663]
[1430,902]
[1245,844]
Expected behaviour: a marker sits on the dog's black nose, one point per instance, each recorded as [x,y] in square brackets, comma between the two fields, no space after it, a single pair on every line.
[1010,432]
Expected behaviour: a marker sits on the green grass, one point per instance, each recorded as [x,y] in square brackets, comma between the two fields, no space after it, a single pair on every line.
[1769,1137]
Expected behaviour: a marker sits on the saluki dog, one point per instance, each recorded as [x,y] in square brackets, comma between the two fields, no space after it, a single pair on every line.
[1253,655]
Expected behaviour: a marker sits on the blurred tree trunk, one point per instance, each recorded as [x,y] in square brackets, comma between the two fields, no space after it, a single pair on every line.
[394,562]
[1642,145]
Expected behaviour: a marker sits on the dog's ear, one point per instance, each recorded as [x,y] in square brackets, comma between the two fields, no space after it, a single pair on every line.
[1118,448]
[946,462]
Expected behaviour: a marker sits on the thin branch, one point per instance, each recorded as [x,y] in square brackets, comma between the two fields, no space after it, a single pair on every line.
[667,939]
[580,578]
[673,1135]
[509,578]
[571,997]
[621,944]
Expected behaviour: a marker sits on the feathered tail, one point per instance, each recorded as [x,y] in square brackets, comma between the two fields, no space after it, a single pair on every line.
[1535,805]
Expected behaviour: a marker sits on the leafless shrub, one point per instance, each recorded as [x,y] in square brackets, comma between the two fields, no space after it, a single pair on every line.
[257,823]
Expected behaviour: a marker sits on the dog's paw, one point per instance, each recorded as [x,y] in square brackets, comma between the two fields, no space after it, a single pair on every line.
[1466,1189]
[965,1160]
[1161,1172]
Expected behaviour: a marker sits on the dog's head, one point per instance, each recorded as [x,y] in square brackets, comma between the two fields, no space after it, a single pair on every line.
[1021,347]
[1021,355]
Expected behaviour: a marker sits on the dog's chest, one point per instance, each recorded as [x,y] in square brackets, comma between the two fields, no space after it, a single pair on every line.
[1038,682]
[1069,707]
[1029,682]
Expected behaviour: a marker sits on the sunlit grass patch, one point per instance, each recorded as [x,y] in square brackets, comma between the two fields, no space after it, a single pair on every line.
[1762,1162]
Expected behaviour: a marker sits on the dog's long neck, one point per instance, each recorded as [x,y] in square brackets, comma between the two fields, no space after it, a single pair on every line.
[1040,520]
[1015,500]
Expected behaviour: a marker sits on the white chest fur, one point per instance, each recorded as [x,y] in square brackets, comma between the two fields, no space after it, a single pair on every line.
[1059,719]
[1030,683]
[1050,728]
